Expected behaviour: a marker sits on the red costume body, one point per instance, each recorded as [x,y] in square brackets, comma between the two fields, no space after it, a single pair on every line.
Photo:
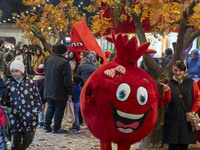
[119,101]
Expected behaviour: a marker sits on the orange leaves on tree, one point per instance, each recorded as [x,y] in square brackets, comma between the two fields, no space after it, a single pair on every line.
[33,2]
[48,20]
[163,15]
[100,25]
[194,20]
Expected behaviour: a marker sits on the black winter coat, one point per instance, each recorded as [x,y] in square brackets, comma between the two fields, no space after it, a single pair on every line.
[176,129]
[58,79]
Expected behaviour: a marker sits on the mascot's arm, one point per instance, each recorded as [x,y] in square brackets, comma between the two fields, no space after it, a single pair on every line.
[196,97]
[166,98]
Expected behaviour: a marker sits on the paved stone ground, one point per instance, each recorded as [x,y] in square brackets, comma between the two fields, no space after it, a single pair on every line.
[70,140]
[67,141]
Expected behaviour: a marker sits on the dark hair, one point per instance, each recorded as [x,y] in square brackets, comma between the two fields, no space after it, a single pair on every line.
[180,64]
[73,53]
[1,41]
[168,51]
[39,48]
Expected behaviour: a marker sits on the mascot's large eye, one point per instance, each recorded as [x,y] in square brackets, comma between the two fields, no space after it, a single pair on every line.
[142,95]
[73,44]
[123,92]
[80,44]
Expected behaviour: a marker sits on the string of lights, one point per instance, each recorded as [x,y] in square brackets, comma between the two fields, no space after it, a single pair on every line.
[15,10]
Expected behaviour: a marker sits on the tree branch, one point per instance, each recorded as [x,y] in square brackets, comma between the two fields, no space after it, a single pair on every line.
[190,36]
[170,24]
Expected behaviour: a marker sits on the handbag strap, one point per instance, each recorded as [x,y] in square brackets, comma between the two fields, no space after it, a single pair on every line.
[36,61]
[181,98]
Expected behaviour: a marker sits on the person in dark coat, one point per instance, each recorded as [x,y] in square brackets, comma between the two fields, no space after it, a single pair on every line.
[58,87]
[2,62]
[177,129]
[86,67]
[168,57]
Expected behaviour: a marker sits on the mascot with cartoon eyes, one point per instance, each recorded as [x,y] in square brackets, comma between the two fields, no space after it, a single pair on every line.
[83,40]
[119,101]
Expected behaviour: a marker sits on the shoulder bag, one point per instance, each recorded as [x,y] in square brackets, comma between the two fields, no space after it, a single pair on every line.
[195,122]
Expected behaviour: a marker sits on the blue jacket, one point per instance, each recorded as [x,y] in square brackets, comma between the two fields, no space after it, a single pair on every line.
[76,93]
[167,60]
[3,89]
[193,65]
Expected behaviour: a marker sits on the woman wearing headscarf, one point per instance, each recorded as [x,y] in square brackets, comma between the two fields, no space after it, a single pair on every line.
[37,59]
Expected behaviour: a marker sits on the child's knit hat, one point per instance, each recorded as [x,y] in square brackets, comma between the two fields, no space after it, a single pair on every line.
[17,64]
[40,70]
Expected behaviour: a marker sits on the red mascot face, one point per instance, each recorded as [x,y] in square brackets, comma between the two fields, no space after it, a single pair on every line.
[83,40]
[119,102]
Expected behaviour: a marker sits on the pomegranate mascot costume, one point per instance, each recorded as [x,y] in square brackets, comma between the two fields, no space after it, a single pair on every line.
[119,101]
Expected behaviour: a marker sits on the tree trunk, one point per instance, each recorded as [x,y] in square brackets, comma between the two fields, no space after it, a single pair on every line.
[46,45]
[154,139]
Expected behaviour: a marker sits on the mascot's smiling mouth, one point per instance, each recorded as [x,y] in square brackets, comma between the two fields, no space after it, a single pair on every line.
[127,122]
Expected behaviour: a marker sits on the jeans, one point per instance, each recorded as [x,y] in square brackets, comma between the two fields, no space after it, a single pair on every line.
[22,140]
[80,117]
[76,110]
[3,139]
[41,115]
[55,109]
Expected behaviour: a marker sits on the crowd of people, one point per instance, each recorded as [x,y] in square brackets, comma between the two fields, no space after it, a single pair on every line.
[29,81]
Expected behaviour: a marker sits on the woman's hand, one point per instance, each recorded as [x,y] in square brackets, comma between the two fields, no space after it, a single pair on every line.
[189,116]
[165,87]
[69,98]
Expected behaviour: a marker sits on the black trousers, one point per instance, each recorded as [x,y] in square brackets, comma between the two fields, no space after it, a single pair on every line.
[178,147]
[22,140]
[55,109]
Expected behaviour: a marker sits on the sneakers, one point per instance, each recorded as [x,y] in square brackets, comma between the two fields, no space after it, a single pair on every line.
[47,129]
[40,125]
[73,127]
[59,131]
[78,131]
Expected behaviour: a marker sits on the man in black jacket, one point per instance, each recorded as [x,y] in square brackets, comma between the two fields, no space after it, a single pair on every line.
[58,87]
[2,62]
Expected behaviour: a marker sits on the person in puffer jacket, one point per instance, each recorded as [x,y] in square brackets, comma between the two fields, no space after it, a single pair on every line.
[193,65]
[24,100]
